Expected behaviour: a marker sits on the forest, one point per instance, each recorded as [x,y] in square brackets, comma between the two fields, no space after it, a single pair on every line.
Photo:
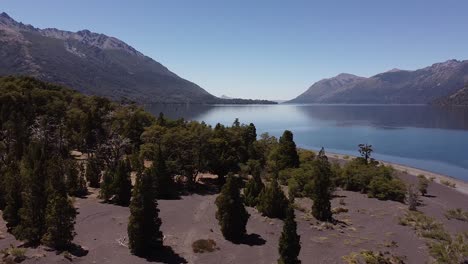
[136,159]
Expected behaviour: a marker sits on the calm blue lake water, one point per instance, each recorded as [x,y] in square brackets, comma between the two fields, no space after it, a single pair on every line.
[426,137]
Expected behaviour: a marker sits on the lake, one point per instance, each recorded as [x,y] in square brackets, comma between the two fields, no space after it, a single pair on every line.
[426,137]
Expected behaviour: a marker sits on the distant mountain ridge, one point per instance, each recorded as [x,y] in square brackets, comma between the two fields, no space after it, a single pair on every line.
[93,63]
[459,98]
[392,87]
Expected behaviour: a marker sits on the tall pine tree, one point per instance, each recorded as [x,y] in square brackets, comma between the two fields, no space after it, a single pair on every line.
[162,181]
[144,224]
[60,214]
[254,186]
[122,184]
[321,209]
[32,215]
[287,156]
[289,242]
[93,172]
[231,213]
[272,202]
[13,200]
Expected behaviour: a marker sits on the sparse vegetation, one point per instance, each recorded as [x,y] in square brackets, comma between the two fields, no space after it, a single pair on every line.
[423,183]
[443,247]
[412,198]
[458,214]
[371,257]
[204,245]
[448,183]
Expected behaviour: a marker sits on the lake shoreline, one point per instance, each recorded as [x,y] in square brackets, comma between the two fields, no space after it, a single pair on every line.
[461,185]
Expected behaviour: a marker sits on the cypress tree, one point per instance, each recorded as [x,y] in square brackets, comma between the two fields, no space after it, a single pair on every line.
[272,202]
[144,224]
[76,184]
[106,191]
[321,208]
[60,213]
[253,189]
[289,242]
[93,172]
[13,198]
[231,213]
[163,183]
[122,185]
[32,215]
[287,152]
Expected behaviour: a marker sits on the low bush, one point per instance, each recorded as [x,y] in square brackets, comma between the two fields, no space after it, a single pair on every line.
[458,214]
[448,183]
[204,245]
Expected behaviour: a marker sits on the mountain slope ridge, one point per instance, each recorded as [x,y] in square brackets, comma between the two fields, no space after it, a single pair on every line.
[395,86]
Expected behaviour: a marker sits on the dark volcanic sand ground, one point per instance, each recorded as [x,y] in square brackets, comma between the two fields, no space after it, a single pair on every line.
[370,224]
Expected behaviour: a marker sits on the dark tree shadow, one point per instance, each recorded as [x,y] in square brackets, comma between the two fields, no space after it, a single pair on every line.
[338,196]
[202,187]
[430,196]
[166,255]
[251,240]
[77,250]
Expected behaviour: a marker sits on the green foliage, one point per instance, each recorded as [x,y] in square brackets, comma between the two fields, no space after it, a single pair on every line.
[75,181]
[60,221]
[366,151]
[412,198]
[371,178]
[321,194]
[285,155]
[386,189]
[231,213]
[144,224]
[106,191]
[122,184]
[93,172]
[272,202]
[255,185]
[423,183]
[13,199]
[164,187]
[289,242]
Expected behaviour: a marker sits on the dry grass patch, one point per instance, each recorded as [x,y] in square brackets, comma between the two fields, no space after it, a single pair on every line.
[339,210]
[448,183]
[458,214]
[204,245]
[13,255]
[371,257]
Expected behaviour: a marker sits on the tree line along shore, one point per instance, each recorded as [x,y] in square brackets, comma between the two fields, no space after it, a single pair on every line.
[42,123]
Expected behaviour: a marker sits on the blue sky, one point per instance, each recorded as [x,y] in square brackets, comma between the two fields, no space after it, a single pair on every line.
[267,49]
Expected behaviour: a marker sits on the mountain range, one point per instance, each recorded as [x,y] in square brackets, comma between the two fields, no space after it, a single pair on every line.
[396,86]
[94,63]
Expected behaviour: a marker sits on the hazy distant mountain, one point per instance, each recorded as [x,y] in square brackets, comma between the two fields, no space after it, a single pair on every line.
[92,63]
[226,97]
[394,86]
[460,97]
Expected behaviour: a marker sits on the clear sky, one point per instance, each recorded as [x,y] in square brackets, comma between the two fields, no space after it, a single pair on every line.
[267,49]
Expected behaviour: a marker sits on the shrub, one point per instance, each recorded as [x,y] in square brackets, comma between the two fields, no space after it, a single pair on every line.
[204,245]
[448,183]
[458,214]
[384,188]
[339,210]
[423,183]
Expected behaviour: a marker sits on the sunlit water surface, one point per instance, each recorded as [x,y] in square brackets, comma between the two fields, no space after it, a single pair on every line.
[420,136]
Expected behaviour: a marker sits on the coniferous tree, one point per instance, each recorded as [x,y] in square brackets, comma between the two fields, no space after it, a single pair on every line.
[60,214]
[254,186]
[106,191]
[76,184]
[32,214]
[231,213]
[287,156]
[93,172]
[162,181]
[122,184]
[144,224]
[272,202]
[321,194]
[13,198]
[289,242]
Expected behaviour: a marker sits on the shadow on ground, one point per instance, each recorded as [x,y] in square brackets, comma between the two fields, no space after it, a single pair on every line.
[166,255]
[252,240]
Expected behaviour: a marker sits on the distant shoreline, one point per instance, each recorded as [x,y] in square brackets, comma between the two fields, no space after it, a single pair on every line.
[461,185]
